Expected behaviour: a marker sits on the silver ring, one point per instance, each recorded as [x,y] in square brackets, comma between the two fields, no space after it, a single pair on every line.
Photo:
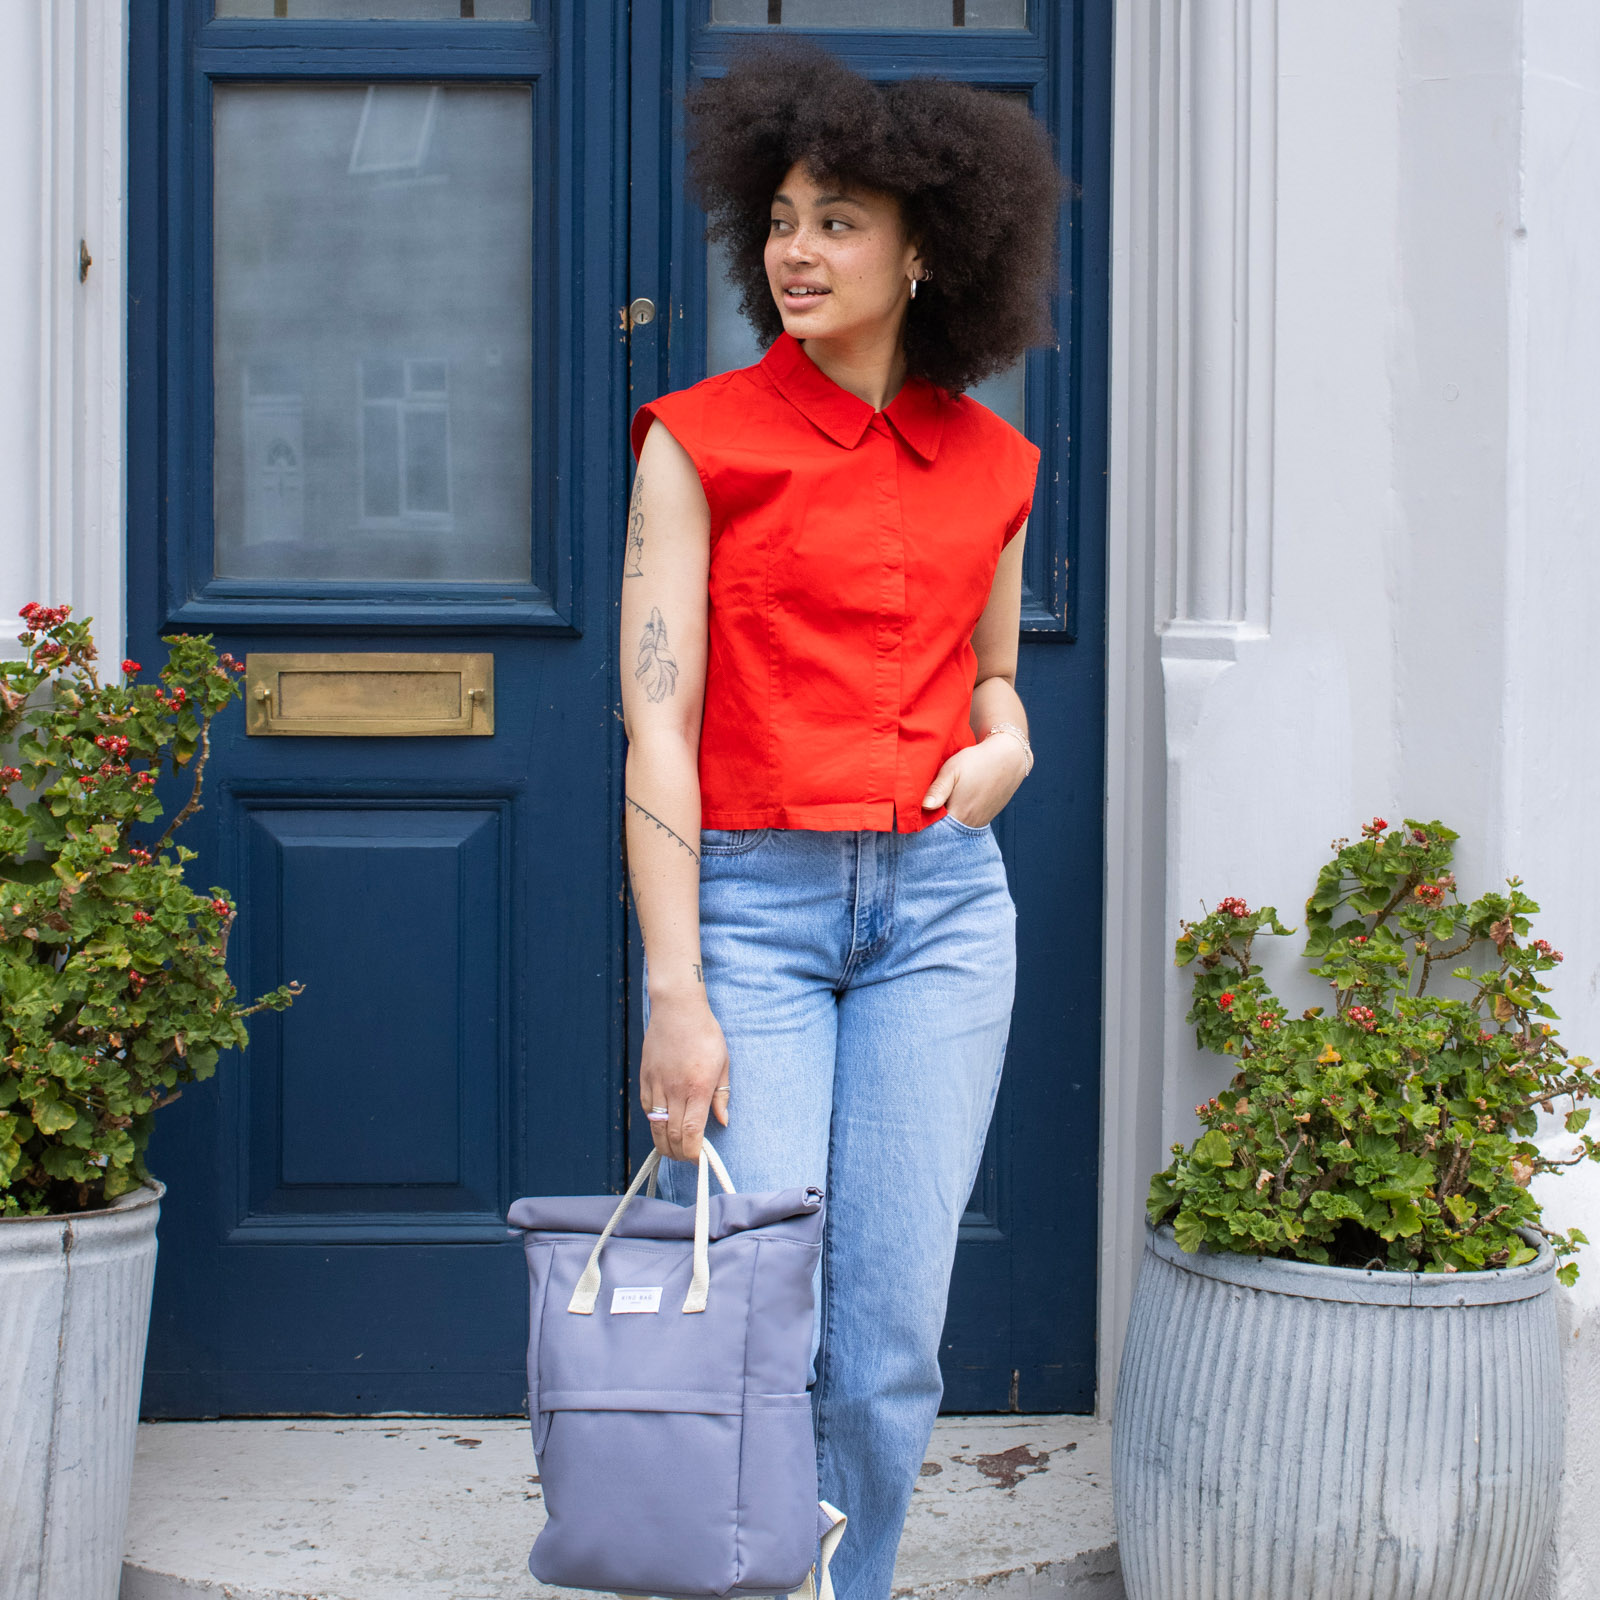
[657,1114]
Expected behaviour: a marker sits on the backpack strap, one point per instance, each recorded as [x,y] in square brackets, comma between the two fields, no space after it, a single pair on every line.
[818,1584]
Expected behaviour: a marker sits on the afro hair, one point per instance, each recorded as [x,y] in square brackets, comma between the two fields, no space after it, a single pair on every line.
[973,173]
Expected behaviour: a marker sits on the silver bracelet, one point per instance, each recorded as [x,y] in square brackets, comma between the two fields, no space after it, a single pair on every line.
[1021,738]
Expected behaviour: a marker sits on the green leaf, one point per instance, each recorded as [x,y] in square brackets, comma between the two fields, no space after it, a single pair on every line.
[1577,1120]
[1523,1253]
[1212,1150]
[1406,1220]
[1190,1232]
[1567,1275]
[52,1116]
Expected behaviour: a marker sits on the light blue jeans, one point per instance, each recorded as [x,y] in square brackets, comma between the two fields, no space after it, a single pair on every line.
[863,982]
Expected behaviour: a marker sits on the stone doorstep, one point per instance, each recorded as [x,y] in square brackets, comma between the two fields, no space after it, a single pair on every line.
[412,1508]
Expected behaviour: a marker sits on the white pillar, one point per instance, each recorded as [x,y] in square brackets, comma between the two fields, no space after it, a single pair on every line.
[63,73]
[1190,525]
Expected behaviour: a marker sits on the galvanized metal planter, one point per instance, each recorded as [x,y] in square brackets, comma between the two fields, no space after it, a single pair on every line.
[1289,1430]
[74,1311]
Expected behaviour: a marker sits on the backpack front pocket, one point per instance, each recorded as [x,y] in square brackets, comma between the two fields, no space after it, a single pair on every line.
[680,1473]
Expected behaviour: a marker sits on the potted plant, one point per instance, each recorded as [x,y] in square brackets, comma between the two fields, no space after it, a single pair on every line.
[113,995]
[1341,1374]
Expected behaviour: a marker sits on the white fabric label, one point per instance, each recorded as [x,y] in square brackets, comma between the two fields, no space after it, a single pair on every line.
[635,1300]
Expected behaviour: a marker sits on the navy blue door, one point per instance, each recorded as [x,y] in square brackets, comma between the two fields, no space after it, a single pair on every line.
[380,382]
[1020,1334]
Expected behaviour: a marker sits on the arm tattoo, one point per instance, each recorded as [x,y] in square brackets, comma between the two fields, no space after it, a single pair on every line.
[650,816]
[632,568]
[658,667]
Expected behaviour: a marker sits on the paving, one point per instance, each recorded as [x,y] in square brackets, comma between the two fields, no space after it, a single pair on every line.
[1009,1508]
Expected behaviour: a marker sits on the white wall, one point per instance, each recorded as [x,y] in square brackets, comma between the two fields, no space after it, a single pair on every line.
[1551,774]
[62,379]
[20,145]
[1429,421]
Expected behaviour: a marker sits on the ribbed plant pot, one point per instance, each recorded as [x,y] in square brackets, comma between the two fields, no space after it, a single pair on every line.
[1286,1431]
[74,1312]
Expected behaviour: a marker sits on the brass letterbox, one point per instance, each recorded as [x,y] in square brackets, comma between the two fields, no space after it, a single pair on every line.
[369,694]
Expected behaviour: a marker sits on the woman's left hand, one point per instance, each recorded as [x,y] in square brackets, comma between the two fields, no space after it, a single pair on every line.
[976,782]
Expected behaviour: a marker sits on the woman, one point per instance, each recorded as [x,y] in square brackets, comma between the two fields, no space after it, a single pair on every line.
[819,618]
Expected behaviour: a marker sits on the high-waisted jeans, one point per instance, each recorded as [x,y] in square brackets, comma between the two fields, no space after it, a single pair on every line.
[863,982]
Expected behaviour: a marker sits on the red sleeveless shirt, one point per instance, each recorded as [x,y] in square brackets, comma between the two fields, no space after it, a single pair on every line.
[852,553]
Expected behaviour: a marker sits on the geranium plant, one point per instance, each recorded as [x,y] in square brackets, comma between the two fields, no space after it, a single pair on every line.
[113,988]
[1393,1126]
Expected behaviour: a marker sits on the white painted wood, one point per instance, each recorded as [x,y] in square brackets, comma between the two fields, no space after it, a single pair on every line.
[1191,501]
[63,72]
[1138,500]
[1216,550]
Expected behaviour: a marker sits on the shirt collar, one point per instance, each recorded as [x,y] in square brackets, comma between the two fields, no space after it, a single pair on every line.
[917,411]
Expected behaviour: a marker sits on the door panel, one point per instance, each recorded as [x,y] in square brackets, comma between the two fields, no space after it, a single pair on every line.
[375,368]
[1020,1333]
[376,1093]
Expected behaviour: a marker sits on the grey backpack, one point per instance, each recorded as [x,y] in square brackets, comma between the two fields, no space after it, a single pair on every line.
[668,1354]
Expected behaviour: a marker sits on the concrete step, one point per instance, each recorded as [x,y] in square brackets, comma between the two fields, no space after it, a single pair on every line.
[420,1508]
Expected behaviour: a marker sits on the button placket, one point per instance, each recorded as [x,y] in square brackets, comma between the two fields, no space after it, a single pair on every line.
[891,606]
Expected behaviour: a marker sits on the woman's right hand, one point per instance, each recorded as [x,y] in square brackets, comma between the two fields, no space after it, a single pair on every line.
[683,1063]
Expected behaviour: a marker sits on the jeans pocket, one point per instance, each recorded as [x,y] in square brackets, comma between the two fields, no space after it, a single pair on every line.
[730,841]
[965,827]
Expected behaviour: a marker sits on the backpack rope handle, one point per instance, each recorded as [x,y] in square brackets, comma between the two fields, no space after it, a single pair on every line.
[587,1289]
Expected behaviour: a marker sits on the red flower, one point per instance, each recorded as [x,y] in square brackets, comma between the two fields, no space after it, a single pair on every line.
[1233,906]
[44,618]
[1225,1001]
[130,665]
[1363,1017]
[9,775]
[1430,894]
[143,916]
[1359,938]
[222,908]
[1268,1021]
[1372,829]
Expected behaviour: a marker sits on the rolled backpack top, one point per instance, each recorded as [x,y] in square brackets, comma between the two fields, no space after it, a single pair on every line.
[668,1354]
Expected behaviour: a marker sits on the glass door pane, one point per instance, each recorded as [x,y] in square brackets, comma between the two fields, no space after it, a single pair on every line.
[372,10]
[373,264]
[871,13]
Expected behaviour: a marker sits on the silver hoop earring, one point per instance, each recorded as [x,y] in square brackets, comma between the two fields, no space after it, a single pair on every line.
[913,288]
